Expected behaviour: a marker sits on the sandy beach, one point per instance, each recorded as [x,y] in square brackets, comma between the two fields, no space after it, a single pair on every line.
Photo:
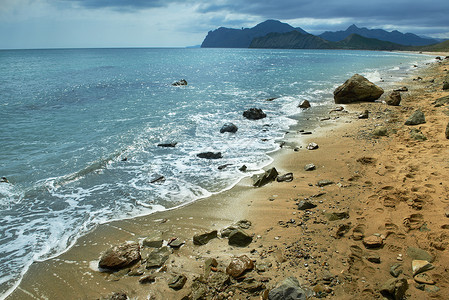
[377,203]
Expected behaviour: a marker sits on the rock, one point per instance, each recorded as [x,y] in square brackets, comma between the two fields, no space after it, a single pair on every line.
[380,131]
[219,280]
[167,145]
[305,104]
[416,134]
[239,265]
[396,270]
[304,204]
[289,289]
[222,167]
[334,216]
[419,266]
[158,179]
[309,167]
[210,155]
[424,279]
[179,83]
[203,239]
[177,282]
[416,118]
[441,101]
[431,289]
[224,233]
[419,254]
[254,114]
[243,168]
[229,127]
[239,238]
[120,256]
[358,232]
[4,179]
[269,176]
[447,131]
[117,296]
[199,290]
[153,241]
[342,229]
[312,146]
[394,98]
[251,285]
[147,279]
[339,108]
[285,178]
[357,88]
[394,288]
[176,243]
[374,258]
[208,264]
[244,224]
[324,182]
[364,115]
[271,99]
[373,241]
[157,257]
[402,89]
[446,211]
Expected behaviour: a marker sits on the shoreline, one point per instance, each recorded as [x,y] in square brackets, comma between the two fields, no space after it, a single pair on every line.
[239,202]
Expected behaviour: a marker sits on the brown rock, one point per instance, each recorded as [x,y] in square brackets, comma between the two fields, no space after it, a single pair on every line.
[120,256]
[239,265]
[394,98]
[394,288]
[373,241]
[423,278]
[419,266]
[357,88]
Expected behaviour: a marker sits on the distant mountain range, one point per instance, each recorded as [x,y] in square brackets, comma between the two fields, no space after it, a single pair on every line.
[275,34]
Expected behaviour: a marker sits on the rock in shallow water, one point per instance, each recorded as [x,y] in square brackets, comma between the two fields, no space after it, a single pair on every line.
[254,114]
[229,127]
[210,155]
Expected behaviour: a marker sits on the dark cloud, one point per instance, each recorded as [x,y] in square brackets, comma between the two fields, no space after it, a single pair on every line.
[125,4]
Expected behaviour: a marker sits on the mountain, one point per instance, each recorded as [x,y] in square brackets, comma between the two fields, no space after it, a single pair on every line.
[241,38]
[440,47]
[290,40]
[297,40]
[395,36]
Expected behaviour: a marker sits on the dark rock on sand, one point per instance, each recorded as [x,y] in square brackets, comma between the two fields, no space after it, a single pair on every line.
[447,131]
[364,115]
[177,282]
[394,288]
[244,224]
[394,98]
[285,178]
[239,238]
[239,265]
[441,101]
[289,289]
[305,204]
[402,89]
[203,239]
[210,155]
[339,215]
[373,241]
[269,176]
[120,256]
[309,167]
[416,253]
[176,243]
[179,83]
[357,88]
[416,134]
[229,127]
[396,270]
[254,114]
[147,279]
[157,257]
[153,241]
[304,105]
[416,118]
[168,145]
[380,131]
[117,296]
[324,182]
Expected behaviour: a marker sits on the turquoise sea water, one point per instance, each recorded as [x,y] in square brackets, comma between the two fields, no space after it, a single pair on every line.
[80,127]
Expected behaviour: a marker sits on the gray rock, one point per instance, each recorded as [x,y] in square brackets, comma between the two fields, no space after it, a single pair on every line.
[289,289]
[243,168]
[210,155]
[402,89]
[147,279]
[120,256]
[441,101]
[176,243]
[373,241]
[416,118]
[157,257]
[305,104]
[419,266]
[357,88]
[285,178]
[416,253]
[334,216]
[305,204]
[219,280]
[324,182]
[394,288]
[177,282]
[364,115]
[179,83]
[203,239]
[153,241]
[243,224]
[417,135]
[380,131]
[239,238]
[309,167]
[394,98]
[446,85]
[229,127]
[269,176]
[396,270]
[254,114]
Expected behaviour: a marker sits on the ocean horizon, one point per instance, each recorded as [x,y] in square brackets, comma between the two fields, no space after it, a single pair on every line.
[81,128]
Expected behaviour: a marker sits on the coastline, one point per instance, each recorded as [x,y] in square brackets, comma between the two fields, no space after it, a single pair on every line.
[71,271]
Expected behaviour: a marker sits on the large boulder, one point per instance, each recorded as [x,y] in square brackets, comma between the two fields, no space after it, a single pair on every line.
[254,114]
[357,88]
[120,256]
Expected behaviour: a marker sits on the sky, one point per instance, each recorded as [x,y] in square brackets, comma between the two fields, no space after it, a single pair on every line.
[26,24]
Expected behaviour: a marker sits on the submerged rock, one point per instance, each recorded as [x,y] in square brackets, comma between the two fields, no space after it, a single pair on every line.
[305,104]
[167,145]
[180,82]
[229,127]
[357,88]
[210,155]
[120,256]
[254,114]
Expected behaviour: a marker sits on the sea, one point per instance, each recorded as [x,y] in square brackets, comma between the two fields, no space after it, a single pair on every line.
[80,128]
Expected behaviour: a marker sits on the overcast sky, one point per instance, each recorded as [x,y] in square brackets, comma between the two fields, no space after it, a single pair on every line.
[176,23]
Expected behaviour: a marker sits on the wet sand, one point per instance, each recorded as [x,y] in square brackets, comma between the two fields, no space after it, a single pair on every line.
[393,187]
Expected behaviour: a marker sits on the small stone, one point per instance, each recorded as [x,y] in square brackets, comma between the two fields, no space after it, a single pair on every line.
[417,134]
[176,243]
[285,178]
[380,131]
[447,131]
[423,278]
[373,241]
[177,282]
[243,168]
[203,239]
[305,104]
[154,241]
[288,289]
[394,98]
[239,238]
[229,127]
[120,256]
[147,279]
[416,118]
[396,270]
[305,204]
[394,288]
[432,288]
[312,146]
[309,167]
[324,182]
[269,176]
[374,258]
[334,216]
[419,254]
[157,258]
[364,115]
[239,265]
[419,266]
